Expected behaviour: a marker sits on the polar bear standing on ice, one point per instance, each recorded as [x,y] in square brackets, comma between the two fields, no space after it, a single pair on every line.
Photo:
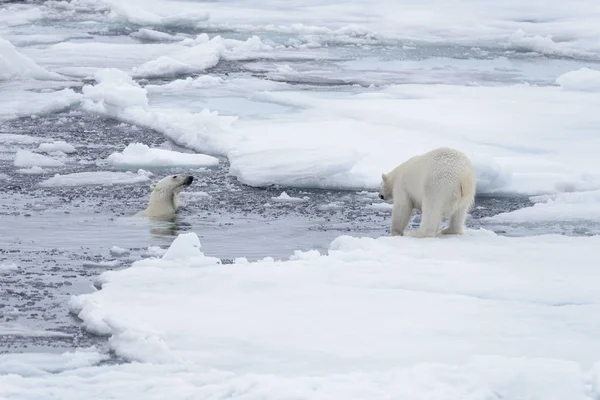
[440,183]
[163,200]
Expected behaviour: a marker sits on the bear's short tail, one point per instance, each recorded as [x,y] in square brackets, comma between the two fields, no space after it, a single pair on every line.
[467,189]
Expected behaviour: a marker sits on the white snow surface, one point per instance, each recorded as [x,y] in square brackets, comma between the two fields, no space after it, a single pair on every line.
[369,318]
[26,158]
[96,178]
[140,155]
[35,365]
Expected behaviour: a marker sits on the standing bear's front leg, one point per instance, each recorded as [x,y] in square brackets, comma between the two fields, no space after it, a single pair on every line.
[401,214]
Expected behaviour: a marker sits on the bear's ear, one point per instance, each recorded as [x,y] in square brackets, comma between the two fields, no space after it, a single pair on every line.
[384,177]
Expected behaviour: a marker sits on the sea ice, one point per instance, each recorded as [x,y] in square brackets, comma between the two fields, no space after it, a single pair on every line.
[327,307]
[286,198]
[140,155]
[26,158]
[584,79]
[57,146]
[96,178]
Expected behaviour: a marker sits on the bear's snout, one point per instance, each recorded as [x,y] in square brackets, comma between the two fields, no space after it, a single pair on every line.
[189,180]
[381,196]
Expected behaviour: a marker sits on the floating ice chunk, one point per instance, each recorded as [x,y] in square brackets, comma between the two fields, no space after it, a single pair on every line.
[381,206]
[584,79]
[96,178]
[14,65]
[118,251]
[142,15]
[572,207]
[102,264]
[26,158]
[18,102]
[57,146]
[140,155]
[156,36]
[7,268]
[197,55]
[189,82]
[32,171]
[286,198]
[520,41]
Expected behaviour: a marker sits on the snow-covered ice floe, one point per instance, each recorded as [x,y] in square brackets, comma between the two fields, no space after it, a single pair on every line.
[97,178]
[473,317]
[26,158]
[521,138]
[140,155]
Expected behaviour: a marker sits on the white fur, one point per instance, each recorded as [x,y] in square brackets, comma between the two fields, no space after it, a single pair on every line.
[164,198]
[440,183]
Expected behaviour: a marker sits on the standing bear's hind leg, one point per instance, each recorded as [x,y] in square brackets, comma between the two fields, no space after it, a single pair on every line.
[431,218]
[457,222]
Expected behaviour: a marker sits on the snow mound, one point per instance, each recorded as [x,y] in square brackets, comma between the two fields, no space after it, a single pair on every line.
[185,246]
[406,298]
[26,158]
[57,146]
[584,79]
[140,155]
[14,65]
[97,178]
[115,91]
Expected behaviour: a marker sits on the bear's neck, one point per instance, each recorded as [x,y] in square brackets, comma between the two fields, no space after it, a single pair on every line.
[164,200]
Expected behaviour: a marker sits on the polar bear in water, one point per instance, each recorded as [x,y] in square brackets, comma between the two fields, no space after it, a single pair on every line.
[440,183]
[164,198]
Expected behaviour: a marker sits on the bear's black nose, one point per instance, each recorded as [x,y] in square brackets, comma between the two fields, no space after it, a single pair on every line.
[381,196]
[189,180]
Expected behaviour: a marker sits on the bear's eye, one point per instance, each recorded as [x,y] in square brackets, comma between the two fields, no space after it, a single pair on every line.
[175,177]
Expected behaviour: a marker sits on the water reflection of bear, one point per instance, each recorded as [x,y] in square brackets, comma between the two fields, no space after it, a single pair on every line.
[168,226]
